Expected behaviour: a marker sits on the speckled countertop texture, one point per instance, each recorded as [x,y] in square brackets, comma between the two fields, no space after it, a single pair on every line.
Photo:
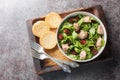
[16,62]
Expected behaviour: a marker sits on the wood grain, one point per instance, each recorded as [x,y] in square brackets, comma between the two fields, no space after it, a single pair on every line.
[49,66]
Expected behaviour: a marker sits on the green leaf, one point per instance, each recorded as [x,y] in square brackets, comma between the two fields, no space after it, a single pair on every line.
[75,57]
[69,38]
[86,49]
[74,35]
[90,55]
[92,31]
[77,50]
[85,27]
[90,43]
[103,42]
[96,36]
[80,16]
[63,41]
[92,18]
[64,35]
[67,25]
[95,25]
[80,22]
[70,48]
[78,44]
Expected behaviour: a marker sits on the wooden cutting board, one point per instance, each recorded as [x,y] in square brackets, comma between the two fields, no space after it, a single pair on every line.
[45,66]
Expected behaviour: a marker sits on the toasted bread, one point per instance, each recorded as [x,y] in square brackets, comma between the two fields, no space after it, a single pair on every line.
[53,19]
[48,40]
[39,28]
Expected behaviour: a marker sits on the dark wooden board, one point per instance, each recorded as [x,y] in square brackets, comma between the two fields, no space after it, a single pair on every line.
[105,56]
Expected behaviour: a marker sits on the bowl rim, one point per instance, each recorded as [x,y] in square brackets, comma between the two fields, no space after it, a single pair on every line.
[87,14]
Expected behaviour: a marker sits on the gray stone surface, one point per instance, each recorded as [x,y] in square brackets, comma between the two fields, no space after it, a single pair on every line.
[15,56]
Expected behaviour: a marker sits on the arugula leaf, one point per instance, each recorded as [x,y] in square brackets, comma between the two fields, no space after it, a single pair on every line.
[63,41]
[70,48]
[67,25]
[103,42]
[90,43]
[89,55]
[77,50]
[75,57]
[74,35]
[70,38]
[78,44]
[95,25]
[80,21]
[93,19]
[64,35]
[92,31]
[86,49]
[80,16]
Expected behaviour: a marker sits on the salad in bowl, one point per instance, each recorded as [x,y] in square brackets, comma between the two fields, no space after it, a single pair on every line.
[81,36]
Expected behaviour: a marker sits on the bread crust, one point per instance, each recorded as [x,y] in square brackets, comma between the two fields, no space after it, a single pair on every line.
[53,19]
[48,40]
[39,28]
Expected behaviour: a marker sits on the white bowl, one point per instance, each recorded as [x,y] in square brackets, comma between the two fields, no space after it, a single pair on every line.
[104,37]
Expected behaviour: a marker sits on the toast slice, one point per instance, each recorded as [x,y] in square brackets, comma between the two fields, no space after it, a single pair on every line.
[39,28]
[48,40]
[53,19]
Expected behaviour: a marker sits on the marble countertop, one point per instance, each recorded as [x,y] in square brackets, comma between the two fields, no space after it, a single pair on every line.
[16,62]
